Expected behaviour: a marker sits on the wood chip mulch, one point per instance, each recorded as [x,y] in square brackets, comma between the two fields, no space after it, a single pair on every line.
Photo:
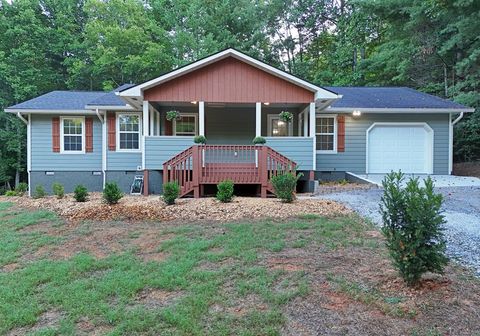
[137,208]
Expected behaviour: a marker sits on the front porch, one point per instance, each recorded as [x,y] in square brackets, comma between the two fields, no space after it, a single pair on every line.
[229,153]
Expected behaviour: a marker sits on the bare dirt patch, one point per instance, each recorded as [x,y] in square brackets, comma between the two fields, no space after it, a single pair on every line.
[49,319]
[241,306]
[138,208]
[153,298]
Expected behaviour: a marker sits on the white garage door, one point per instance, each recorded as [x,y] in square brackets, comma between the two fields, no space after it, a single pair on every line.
[405,147]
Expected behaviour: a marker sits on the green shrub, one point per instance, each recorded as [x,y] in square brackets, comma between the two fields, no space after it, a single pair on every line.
[11,193]
[3,190]
[21,188]
[58,190]
[413,227]
[285,185]
[80,193]
[259,140]
[171,190]
[225,191]
[39,191]
[200,139]
[112,193]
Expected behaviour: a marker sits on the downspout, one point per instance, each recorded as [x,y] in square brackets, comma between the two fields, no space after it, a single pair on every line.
[450,140]
[29,150]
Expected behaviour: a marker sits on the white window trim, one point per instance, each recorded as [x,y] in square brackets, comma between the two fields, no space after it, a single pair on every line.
[270,118]
[195,115]
[140,130]
[335,134]
[62,151]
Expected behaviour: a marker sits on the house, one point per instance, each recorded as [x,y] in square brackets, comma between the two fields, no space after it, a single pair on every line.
[89,138]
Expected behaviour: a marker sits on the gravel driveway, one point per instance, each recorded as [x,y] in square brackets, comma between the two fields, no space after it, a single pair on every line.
[461,209]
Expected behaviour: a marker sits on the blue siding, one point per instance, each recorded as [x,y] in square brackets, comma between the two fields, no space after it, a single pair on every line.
[123,160]
[43,157]
[298,149]
[160,149]
[354,157]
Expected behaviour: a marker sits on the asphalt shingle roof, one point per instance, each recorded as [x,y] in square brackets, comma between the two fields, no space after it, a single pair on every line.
[110,98]
[60,100]
[388,97]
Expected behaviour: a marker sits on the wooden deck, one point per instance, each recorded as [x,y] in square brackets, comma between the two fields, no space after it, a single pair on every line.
[200,165]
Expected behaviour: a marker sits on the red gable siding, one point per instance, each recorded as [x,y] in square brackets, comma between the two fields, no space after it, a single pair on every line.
[229,81]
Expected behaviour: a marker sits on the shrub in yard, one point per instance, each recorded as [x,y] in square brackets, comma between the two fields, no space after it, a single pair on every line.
[285,185]
[413,227]
[171,190]
[58,190]
[21,188]
[112,193]
[39,191]
[80,193]
[11,193]
[225,191]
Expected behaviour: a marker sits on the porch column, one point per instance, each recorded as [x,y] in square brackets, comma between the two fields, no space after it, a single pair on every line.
[258,119]
[312,132]
[201,118]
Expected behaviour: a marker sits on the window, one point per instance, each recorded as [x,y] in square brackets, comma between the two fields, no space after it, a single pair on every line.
[72,136]
[128,136]
[186,125]
[277,127]
[326,134]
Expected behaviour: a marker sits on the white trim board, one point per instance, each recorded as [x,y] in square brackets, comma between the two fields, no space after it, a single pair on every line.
[393,110]
[335,134]
[117,133]
[137,91]
[403,124]
[62,139]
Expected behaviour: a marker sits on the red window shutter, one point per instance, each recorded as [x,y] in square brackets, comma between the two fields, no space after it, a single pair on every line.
[56,134]
[168,127]
[341,133]
[112,137]
[89,134]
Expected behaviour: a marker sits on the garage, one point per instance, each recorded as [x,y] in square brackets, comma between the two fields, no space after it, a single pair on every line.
[400,146]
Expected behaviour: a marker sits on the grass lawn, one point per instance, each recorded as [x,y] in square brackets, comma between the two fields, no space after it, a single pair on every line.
[303,276]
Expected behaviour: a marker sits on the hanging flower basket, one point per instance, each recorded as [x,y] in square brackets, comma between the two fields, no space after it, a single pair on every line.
[286,116]
[171,115]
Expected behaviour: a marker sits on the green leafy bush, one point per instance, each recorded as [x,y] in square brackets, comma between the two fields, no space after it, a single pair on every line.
[413,226]
[259,140]
[39,191]
[11,193]
[80,193]
[200,139]
[286,116]
[112,193]
[171,190]
[58,190]
[225,191]
[285,185]
[21,188]
[172,115]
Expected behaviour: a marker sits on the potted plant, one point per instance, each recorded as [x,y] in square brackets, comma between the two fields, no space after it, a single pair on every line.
[173,114]
[259,140]
[286,116]
[200,139]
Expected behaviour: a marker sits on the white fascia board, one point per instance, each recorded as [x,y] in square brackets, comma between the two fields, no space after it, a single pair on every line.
[39,111]
[137,91]
[111,107]
[395,110]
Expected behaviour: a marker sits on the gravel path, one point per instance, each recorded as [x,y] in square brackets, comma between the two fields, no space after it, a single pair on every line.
[461,209]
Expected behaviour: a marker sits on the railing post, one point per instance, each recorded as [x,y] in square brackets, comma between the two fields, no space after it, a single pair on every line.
[263,170]
[196,166]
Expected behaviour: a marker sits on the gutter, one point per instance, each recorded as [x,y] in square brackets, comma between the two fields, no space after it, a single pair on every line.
[458,119]
[25,121]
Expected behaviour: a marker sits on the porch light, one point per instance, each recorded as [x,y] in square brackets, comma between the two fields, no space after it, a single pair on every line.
[357,113]
[194,102]
[267,103]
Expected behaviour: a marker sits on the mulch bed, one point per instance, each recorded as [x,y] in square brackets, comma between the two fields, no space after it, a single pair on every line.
[138,208]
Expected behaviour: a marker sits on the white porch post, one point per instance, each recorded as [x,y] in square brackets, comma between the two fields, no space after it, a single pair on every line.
[312,132]
[146,129]
[258,119]
[201,118]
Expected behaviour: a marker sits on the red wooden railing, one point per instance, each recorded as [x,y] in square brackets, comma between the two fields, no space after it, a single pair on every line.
[211,164]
